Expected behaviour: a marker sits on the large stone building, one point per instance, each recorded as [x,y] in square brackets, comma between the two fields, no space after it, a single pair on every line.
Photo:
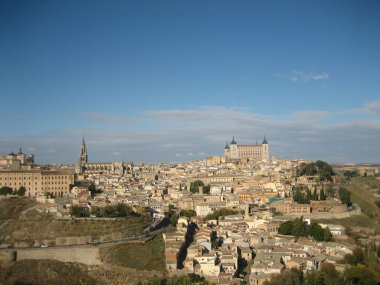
[16,161]
[38,182]
[255,151]
[85,167]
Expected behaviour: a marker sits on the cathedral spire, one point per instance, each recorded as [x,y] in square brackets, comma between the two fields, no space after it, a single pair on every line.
[83,158]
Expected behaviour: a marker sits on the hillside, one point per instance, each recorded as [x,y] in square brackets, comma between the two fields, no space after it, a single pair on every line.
[47,272]
[149,256]
[23,228]
[365,192]
[11,208]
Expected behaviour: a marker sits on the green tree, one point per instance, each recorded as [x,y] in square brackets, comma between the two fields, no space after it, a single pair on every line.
[173,220]
[122,210]
[330,274]
[219,213]
[361,275]
[349,259]
[350,173]
[315,195]
[327,235]
[299,195]
[300,227]
[316,231]
[322,169]
[330,191]
[188,213]
[286,228]
[78,211]
[93,190]
[308,195]
[315,277]
[322,195]
[108,211]
[359,255]
[291,277]
[21,191]
[325,171]
[345,196]
[96,211]
[5,190]
[194,186]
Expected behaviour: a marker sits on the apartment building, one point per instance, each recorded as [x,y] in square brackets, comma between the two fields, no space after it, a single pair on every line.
[38,182]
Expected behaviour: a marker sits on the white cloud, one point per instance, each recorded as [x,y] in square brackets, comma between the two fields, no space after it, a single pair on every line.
[300,76]
[373,108]
[51,151]
[117,153]
[31,149]
[311,114]
[320,76]
[102,118]
[204,130]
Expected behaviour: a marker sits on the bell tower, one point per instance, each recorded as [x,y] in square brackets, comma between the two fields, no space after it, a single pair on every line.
[83,158]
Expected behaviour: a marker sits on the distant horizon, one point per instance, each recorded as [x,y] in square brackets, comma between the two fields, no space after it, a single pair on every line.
[180,161]
[172,81]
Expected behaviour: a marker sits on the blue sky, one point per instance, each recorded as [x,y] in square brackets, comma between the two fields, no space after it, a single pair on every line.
[173,80]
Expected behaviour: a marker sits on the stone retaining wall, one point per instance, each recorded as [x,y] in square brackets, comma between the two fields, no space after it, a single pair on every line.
[87,255]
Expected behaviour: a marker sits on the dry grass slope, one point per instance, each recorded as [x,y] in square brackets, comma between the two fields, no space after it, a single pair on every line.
[149,256]
[47,272]
[50,228]
[363,192]
[12,208]
[40,226]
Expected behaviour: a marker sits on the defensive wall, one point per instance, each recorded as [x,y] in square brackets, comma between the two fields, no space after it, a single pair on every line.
[88,255]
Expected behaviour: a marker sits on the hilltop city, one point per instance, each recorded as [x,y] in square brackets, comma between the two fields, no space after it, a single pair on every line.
[244,217]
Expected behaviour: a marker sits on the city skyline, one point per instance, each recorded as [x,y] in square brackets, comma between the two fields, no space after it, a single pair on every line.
[163,81]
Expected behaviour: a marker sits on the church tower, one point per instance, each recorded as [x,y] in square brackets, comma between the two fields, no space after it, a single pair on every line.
[234,151]
[265,149]
[83,158]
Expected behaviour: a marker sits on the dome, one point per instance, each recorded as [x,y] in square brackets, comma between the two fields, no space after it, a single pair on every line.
[265,141]
[233,140]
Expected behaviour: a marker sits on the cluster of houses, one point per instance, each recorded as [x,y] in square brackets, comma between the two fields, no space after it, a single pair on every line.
[153,188]
[221,250]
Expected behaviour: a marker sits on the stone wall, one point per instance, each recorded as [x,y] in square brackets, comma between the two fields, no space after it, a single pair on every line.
[330,215]
[88,255]
[7,256]
[75,240]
